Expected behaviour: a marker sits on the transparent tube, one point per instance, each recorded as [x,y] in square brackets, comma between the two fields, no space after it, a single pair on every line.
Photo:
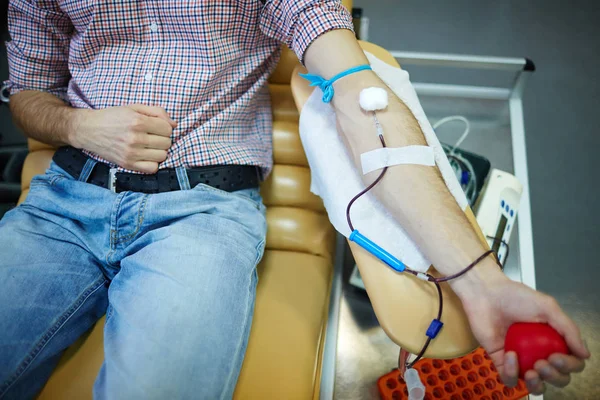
[416,389]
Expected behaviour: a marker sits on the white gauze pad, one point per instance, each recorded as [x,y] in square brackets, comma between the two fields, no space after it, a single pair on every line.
[387,157]
[336,179]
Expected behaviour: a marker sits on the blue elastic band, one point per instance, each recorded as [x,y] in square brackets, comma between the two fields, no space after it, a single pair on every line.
[327,85]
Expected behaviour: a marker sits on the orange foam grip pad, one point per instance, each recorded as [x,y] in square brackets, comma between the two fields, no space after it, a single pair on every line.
[472,377]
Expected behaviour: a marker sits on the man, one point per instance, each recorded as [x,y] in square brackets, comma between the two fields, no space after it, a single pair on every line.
[176,91]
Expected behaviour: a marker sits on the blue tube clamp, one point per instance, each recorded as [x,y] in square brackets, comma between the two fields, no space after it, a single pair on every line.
[377,251]
[434,328]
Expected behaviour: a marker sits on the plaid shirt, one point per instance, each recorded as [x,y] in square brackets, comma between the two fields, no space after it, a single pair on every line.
[205,61]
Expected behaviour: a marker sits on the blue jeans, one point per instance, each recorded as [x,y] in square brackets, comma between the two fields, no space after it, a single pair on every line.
[174,272]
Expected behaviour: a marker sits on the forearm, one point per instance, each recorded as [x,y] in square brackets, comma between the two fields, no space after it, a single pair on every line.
[43,117]
[416,195]
[136,136]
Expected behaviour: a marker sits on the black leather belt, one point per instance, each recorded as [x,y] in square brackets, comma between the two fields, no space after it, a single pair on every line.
[229,178]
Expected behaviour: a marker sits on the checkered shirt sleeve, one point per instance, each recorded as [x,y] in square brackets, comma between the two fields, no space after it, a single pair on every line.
[298,23]
[39,49]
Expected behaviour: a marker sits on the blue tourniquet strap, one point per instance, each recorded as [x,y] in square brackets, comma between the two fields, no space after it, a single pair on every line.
[326,85]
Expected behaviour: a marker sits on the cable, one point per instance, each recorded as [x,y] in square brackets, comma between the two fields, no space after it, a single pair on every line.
[436,323]
[437,282]
[455,118]
[457,162]
[502,241]
[371,186]
[439,318]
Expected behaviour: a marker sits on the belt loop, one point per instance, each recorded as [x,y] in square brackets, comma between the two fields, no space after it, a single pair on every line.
[182,178]
[87,169]
[112,180]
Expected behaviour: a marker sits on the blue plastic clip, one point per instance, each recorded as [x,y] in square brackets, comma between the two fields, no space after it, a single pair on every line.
[434,328]
[377,251]
[465,177]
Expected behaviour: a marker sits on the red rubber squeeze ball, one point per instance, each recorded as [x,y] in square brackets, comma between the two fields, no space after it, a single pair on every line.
[533,342]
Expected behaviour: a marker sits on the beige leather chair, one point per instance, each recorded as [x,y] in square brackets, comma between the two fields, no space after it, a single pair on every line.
[285,350]
[283,360]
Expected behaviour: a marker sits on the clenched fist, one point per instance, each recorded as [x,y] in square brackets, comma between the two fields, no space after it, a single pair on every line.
[135,137]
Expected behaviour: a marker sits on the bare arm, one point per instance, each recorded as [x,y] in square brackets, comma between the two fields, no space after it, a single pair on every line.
[43,117]
[417,196]
[427,210]
[38,70]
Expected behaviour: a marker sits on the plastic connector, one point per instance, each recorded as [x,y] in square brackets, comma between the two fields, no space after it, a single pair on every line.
[377,251]
[414,386]
[434,328]
[465,177]
[422,276]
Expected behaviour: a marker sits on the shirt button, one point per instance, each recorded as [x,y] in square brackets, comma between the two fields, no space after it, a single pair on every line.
[148,77]
[154,27]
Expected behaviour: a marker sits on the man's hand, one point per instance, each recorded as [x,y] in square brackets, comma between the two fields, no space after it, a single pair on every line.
[493,308]
[135,137]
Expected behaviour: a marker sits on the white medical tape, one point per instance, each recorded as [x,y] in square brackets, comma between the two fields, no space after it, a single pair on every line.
[387,157]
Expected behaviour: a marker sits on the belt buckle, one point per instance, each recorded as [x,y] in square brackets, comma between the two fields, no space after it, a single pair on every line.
[112,180]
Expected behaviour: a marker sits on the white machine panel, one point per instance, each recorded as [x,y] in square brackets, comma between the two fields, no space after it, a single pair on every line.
[496,209]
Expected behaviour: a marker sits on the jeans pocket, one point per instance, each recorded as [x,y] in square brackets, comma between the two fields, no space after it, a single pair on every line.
[46,179]
[51,176]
